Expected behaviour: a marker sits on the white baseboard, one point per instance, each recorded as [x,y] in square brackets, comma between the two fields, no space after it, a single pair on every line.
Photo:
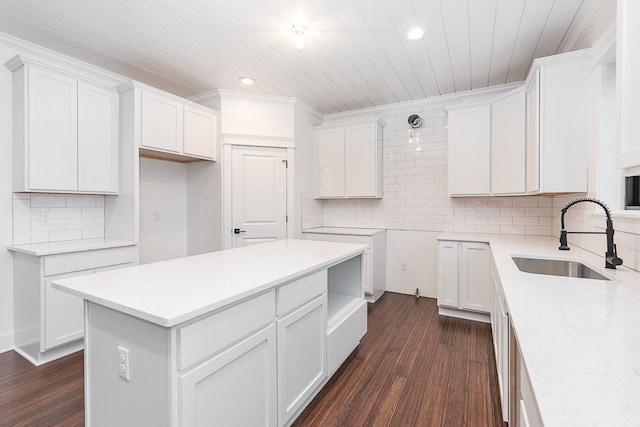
[6,342]
[463,314]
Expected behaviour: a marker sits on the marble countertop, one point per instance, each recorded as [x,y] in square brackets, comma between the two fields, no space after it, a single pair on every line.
[579,338]
[171,292]
[52,248]
[345,230]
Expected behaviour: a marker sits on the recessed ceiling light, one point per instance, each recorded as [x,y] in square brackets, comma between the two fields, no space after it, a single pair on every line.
[414,33]
[298,31]
[247,80]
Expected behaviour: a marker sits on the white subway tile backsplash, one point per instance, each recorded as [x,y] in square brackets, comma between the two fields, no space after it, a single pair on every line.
[69,215]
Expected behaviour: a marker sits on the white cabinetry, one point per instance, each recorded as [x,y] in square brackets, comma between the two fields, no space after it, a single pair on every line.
[170,127]
[65,136]
[469,150]
[464,279]
[500,328]
[50,323]
[374,258]
[348,161]
[557,110]
[628,86]
[526,408]
[508,144]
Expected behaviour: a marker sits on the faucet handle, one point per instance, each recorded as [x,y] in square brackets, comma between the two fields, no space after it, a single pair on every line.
[564,246]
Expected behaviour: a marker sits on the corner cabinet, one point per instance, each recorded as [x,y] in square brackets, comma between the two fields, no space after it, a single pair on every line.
[348,160]
[65,131]
[557,110]
[464,280]
[628,86]
[169,127]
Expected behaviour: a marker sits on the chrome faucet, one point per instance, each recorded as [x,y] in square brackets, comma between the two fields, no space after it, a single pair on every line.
[611,256]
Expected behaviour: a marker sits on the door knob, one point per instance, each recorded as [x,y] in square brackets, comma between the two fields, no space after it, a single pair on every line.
[238,231]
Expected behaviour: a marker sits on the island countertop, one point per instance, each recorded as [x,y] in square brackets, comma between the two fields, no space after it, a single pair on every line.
[171,292]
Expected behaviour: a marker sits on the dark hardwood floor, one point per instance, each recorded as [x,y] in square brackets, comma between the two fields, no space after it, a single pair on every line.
[413,368]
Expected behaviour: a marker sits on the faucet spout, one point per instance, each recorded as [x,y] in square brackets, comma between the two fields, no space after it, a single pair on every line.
[611,255]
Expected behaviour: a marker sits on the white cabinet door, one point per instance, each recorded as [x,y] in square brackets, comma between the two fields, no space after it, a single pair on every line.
[628,86]
[63,319]
[362,161]
[302,362]
[200,132]
[448,274]
[161,122]
[508,144]
[533,134]
[235,388]
[475,280]
[98,139]
[469,155]
[52,131]
[330,163]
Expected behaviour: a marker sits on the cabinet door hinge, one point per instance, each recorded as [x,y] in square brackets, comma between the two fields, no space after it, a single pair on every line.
[286,218]
[286,163]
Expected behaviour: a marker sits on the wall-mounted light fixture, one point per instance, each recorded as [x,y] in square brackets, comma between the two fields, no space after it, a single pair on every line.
[415,122]
[298,32]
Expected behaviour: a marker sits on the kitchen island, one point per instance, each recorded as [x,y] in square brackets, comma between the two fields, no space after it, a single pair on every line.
[246,336]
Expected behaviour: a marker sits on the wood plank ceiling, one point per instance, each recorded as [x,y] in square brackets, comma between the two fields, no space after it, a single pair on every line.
[355,54]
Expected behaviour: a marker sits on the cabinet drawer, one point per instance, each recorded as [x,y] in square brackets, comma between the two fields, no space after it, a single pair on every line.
[300,291]
[87,260]
[344,337]
[207,336]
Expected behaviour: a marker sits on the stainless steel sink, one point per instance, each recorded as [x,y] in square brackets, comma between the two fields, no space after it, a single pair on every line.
[555,267]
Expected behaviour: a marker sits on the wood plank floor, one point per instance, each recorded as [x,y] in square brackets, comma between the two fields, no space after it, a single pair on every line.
[413,368]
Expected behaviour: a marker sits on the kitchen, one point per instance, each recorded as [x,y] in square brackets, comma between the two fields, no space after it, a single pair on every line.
[415,208]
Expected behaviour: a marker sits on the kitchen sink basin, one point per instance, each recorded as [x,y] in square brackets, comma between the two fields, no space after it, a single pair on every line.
[556,267]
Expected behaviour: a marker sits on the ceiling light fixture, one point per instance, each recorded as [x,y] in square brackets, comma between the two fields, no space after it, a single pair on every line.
[247,80]
[414,33]
[298,31]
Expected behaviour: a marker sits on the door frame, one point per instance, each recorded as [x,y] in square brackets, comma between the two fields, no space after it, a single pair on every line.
[227,207]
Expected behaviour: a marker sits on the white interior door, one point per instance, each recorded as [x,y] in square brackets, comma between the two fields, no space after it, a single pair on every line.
[258,194]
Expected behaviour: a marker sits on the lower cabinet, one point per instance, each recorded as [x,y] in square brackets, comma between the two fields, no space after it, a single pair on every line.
[234,388]
[500,328]
[49,323]
[527,412]
[302,362]
[464,279]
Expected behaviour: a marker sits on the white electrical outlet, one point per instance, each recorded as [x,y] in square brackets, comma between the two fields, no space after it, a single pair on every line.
[403,266]
[156,216]
[45,218]
[123,362]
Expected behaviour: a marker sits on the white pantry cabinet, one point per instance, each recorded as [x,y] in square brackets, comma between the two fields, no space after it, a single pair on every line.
[464,279]
[50,323]
[628,86]
[65,136]
[557,110]
[469,150]
[374,258]
[348,160]
[169,127]
[508,143]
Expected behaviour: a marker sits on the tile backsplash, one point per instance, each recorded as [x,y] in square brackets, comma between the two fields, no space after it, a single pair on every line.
[43,217]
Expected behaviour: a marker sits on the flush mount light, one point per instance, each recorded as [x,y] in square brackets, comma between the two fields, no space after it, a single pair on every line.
[247,80]
[414,33]
[298,31]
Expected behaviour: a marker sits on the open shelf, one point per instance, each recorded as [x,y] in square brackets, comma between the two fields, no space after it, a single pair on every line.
[345,289]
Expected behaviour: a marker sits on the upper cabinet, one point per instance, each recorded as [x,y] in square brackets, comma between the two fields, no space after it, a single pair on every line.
[170,127]
[628,85]
[508,143]
[65,131]
[469,150]
[557,104]
[348,160]
[527,141]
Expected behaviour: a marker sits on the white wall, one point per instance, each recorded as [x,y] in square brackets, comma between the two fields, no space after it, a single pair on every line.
[163,210]
[6,262]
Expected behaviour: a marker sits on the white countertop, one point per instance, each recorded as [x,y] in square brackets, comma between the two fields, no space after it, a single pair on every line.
[345,230]
[579,338]
[171,292]
[52,248]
